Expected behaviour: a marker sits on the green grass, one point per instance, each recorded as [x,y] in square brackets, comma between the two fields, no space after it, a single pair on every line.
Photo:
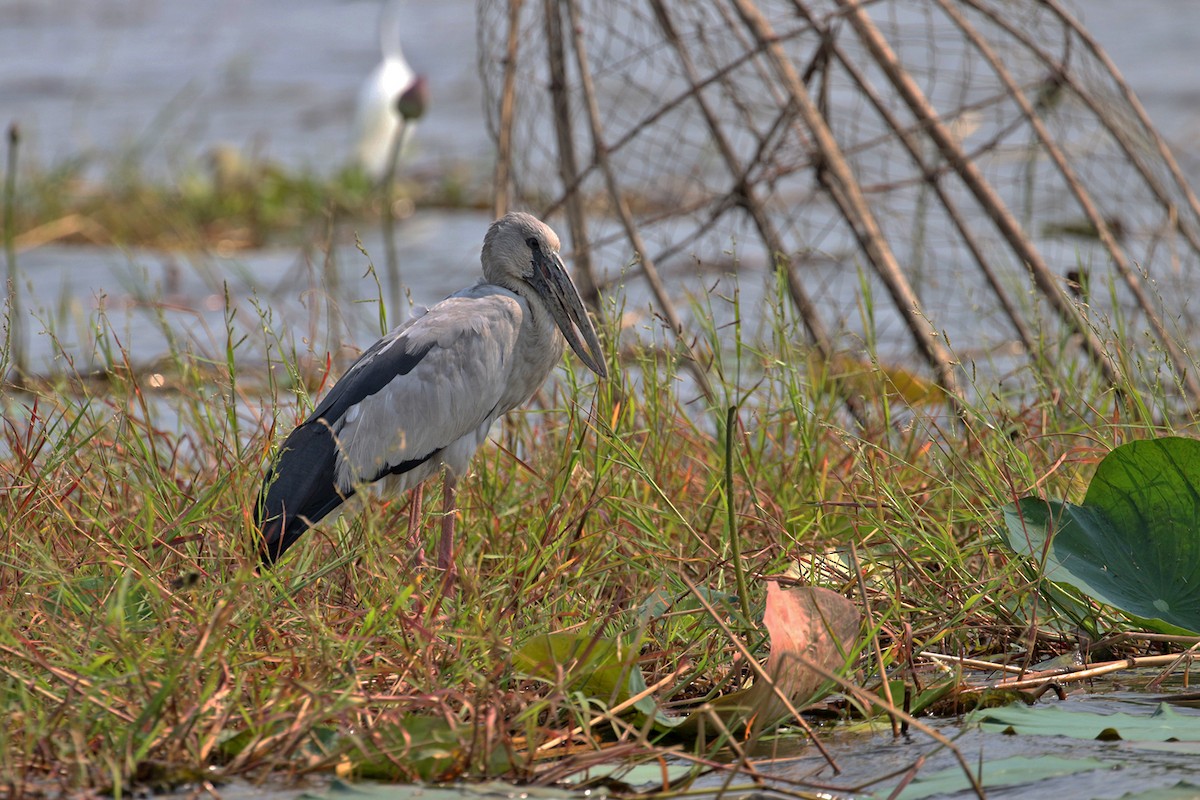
[140,646]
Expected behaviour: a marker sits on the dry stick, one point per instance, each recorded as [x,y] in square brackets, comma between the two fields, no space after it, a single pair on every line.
[16,336]
[34,687]
[1142,636]
[752,50]
[1120,260]
[1139,111]
[1073,674]
[974,663]
[773,142]
[501,191]
[785,118]
[985,195]
[500,187]
[1105,117]
[780,780]
[843,188]
[1189,656]
[745,194]
[951,208]
[568,164]
[788,112]
[635,238]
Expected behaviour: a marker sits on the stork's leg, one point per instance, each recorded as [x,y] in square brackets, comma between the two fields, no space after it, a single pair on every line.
[415,540]
[449,511]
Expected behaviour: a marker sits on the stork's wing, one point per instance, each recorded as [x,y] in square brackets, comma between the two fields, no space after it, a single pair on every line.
[420,389]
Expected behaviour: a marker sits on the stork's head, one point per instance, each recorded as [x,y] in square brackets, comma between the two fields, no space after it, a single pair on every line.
[520,253]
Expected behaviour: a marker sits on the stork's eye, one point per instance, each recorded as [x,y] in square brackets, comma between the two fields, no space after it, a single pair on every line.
[533,244]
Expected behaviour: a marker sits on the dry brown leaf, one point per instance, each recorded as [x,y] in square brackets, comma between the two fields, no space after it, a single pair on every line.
[807,625]
[810,624]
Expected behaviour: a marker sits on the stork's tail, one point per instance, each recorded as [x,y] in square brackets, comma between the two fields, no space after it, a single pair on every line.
[299,491]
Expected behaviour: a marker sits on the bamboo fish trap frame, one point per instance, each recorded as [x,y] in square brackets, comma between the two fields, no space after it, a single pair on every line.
[979,165]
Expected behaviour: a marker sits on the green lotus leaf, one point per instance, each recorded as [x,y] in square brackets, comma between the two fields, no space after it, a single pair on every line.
[1134,543]
[1164,724]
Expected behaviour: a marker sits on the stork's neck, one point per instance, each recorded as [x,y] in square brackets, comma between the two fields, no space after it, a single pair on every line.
[391,25]
[539,328]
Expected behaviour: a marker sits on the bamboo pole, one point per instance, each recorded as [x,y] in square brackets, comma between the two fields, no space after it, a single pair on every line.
[1164,152]
[568,163]
[650,271]
[508,101]
[843,187]
[1179,359]
[747,195]
[15,345]
[1104,116]
[930,175]
[985,195]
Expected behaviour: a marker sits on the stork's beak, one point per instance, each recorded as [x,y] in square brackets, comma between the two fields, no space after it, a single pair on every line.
[562,298]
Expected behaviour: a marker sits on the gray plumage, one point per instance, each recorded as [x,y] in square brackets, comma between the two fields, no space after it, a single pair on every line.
[424,397]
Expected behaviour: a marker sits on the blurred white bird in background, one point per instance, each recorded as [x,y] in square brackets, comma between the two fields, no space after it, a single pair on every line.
[392,98]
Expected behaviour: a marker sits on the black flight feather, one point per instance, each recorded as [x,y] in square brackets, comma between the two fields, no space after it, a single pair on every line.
[301,487]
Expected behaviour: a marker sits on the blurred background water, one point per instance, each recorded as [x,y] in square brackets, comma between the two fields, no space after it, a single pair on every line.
[166,82]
